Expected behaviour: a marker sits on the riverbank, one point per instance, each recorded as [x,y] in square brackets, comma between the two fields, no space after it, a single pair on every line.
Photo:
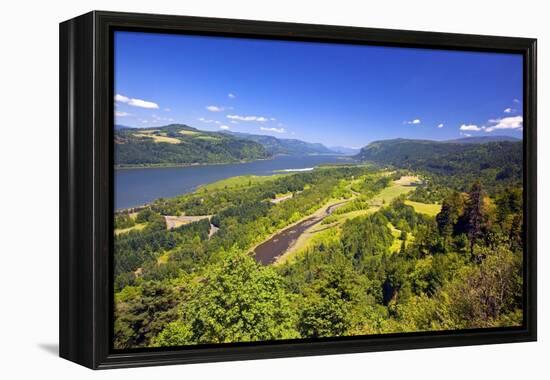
[199,164]
[269,251]
[185,165]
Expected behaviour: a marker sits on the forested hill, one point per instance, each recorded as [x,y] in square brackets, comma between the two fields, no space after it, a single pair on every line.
[275,145]
[494,161]
[483,139]
[178,144]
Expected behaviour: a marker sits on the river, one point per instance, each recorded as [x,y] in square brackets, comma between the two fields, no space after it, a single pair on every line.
[135,187]
[270,250]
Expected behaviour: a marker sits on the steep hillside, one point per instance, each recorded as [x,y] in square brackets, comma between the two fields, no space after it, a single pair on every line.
[178,144]
[494,163]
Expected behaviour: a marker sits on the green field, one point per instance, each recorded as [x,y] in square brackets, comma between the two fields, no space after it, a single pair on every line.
[396,189]
[240,181]
[397,242]
[137,227]
[396,245]
[188,133]
[430,209]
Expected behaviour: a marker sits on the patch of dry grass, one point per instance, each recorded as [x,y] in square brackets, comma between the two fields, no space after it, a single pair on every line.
[158,138]
[188,133]
[136,227]
[430,209]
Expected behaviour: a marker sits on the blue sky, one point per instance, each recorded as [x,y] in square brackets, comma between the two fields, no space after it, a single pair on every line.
[329,93]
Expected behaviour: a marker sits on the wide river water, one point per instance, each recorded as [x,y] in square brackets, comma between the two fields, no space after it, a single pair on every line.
[135,187]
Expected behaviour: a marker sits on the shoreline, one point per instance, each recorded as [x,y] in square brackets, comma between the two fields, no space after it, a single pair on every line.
[167,166]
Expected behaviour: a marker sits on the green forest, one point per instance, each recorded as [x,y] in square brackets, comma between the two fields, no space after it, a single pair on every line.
[417,236]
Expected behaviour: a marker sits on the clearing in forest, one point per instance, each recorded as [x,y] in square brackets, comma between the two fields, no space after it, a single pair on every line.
[136,227]
[240,181]
[159,138]
[430,209]
[177,221]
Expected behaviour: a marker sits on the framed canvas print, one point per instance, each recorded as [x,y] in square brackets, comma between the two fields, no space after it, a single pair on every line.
[238,189]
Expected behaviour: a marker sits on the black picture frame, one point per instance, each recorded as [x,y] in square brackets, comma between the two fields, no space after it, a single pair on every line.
[86,187]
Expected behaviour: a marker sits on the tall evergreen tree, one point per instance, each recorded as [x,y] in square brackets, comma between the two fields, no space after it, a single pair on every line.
[474,214]
[451,210]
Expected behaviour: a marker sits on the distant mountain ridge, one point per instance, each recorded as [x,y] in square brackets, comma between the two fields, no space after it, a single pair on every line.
[275,145]
[345,150]
[120,126]
[482,139]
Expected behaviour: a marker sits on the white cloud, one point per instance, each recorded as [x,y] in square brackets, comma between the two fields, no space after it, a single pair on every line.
[215,108]
[209,121]
[276,130]
[470,127]
[231,96]
[413,122]
[224,127]
[121,98]
[511,122]
[261,119]
[234,122]
[440,125]
[467,135]
[143,104]
[516,101]
[136,102]
[121,114]
[509,110]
